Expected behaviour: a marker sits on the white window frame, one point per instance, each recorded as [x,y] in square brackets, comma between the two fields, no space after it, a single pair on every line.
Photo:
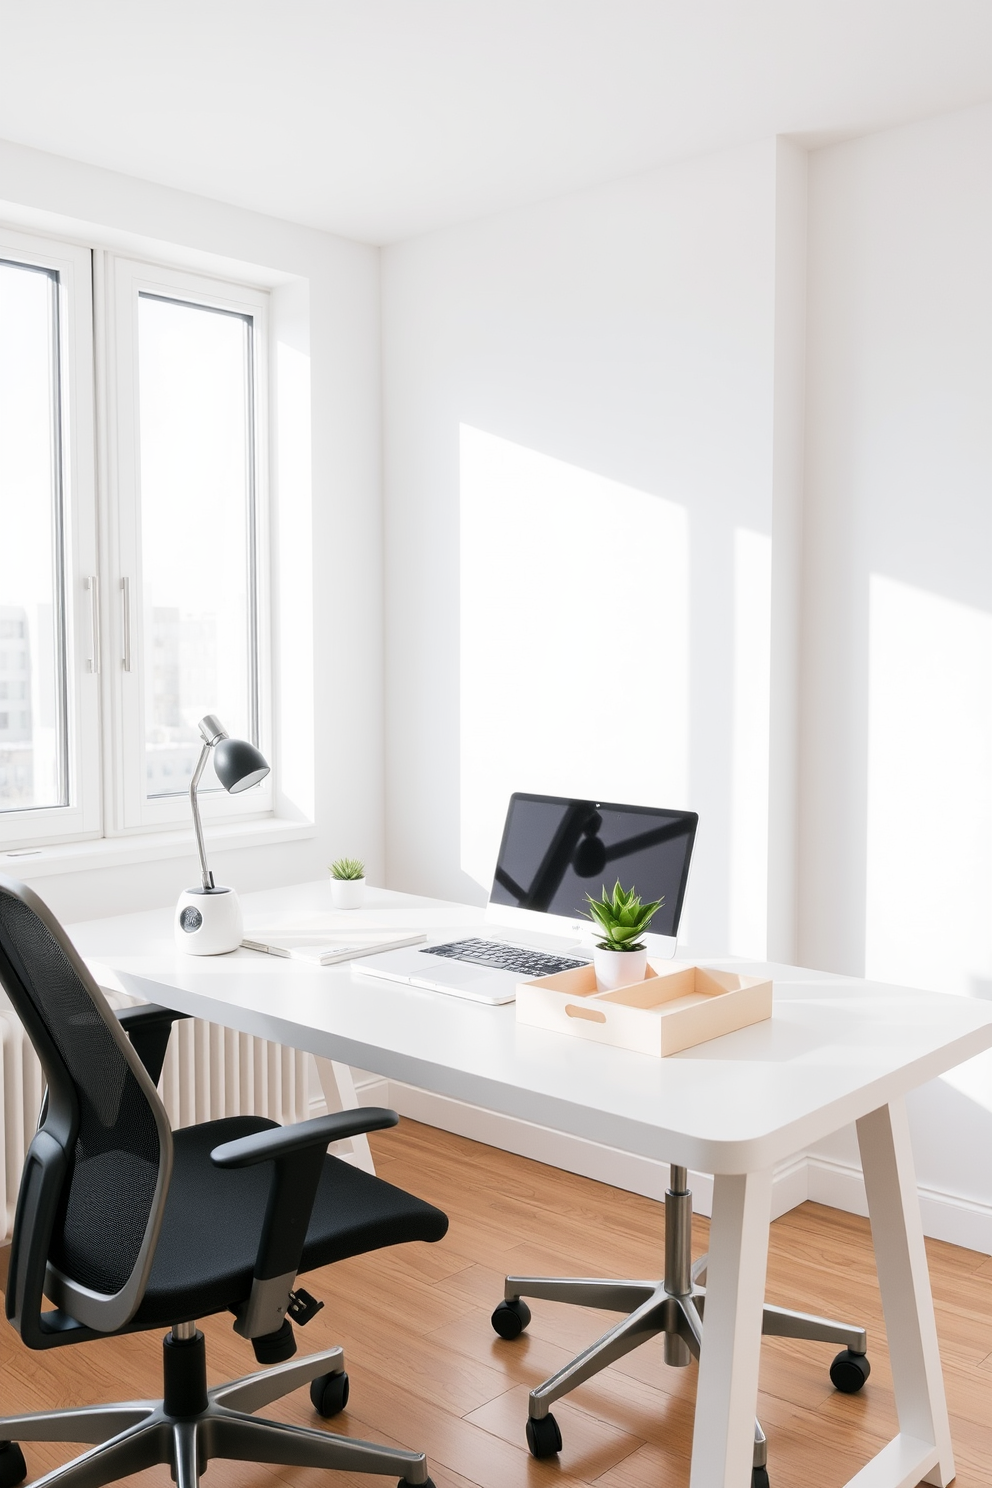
[123,279]
[98,292]
[83,816]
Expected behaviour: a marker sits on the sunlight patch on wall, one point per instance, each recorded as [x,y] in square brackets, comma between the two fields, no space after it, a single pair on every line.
[929,896]
[574,639]
[749,759]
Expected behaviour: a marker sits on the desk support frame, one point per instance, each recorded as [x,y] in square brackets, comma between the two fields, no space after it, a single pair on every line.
[922,1450]
[338,1087]
[727,1392]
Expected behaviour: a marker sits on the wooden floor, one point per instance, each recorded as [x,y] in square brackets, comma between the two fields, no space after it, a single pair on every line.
[427,1372]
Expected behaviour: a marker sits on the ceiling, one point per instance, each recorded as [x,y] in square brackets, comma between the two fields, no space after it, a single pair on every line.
[383,119]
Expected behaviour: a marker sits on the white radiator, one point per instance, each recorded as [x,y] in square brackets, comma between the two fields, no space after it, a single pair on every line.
[209,1072]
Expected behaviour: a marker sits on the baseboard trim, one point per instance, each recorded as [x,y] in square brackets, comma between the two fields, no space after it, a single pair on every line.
[946,1216]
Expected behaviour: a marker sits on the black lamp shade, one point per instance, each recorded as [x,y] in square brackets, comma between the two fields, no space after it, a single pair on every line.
[239,764]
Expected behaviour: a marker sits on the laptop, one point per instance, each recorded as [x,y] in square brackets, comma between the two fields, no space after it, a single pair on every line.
[555,851]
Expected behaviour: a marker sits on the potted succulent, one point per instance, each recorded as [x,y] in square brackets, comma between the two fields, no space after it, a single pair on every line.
[621,957]
[347,883]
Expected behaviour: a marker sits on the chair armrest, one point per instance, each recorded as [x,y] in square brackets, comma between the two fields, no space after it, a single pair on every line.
[297,1154]
[148,1026]
[279,1141]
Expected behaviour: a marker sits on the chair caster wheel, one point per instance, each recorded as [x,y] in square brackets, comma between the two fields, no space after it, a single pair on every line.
[13,1468]
[759,1477]
[543,1437]
[427,1483]
[328,1395]
[849,1371]
[511,1318]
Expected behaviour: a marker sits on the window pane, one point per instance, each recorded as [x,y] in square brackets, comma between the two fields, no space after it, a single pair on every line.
[197,514]
[32,651]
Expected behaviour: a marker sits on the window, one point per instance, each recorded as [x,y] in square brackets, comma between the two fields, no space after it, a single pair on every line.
[110,655]
[190,359]
[49,725]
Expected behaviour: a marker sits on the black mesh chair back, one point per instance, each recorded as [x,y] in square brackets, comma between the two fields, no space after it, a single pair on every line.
[124,1227]
[97,1171]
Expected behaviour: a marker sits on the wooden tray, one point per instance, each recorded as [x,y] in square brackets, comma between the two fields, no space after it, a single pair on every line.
[676,1006]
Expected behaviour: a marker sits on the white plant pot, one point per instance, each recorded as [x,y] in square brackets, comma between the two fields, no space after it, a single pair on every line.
[347,893]
[618,968]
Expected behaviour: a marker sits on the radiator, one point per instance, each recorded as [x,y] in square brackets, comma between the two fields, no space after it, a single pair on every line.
[209,1072]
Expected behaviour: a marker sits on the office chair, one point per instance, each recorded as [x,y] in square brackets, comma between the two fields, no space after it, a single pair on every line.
[673,1307]
[124,1225]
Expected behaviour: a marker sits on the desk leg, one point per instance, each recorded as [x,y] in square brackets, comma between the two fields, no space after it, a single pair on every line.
[904,1282]
[339,1095]
[723,1433]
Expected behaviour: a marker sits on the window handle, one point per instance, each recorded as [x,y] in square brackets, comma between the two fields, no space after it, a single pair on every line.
[93,587]
[126,623]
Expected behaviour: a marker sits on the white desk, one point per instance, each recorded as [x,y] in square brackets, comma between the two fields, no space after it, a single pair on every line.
[836,1050]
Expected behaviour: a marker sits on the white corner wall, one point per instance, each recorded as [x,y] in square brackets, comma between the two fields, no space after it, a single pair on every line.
[657,352]
[895,866]
[808,383]
[613,350]
[327,539]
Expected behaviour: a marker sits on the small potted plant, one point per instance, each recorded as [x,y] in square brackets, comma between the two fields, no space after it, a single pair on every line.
[621,957]
[347,883]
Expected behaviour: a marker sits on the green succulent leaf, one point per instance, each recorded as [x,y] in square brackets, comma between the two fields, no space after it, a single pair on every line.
[622,917]
[347,868]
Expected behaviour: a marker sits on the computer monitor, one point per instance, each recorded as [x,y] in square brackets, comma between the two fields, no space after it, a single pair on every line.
[557,850]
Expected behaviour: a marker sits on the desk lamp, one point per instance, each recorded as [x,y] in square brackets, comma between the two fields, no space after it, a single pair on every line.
[208,919]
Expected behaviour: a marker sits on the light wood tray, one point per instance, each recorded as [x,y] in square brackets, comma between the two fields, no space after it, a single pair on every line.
[676,1006]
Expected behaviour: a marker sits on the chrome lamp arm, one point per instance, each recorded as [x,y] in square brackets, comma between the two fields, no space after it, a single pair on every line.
[211,732]
[206,877]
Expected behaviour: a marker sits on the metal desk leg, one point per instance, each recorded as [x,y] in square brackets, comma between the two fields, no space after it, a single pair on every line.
[723,1434]
[923,1445]
[339,1095]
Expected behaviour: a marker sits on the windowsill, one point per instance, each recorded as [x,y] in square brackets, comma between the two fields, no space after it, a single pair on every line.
[148,847]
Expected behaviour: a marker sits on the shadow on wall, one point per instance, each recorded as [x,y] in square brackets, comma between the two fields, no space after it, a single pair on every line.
[957,1103]
[929,833]
[576,673]
[929,838]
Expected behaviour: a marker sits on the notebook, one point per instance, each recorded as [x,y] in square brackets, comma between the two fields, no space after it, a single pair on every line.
[324,948]
[554,851]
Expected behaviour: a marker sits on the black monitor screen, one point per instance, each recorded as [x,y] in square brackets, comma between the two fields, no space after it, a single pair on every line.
[555,851]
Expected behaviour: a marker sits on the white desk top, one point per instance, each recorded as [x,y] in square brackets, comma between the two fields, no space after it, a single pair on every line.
[835,1048]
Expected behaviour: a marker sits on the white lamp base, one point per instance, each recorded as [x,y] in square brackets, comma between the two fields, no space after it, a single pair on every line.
[208,922]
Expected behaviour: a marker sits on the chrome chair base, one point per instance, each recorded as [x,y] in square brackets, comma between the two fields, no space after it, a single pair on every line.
[674,1306]
[136,1434]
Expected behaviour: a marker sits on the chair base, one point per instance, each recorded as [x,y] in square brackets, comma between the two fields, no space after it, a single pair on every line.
[673,1307]
[133,1435]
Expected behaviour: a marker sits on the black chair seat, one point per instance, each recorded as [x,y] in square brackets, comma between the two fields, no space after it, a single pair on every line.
[206,1249]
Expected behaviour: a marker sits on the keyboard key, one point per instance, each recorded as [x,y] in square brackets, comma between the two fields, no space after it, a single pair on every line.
[502,957]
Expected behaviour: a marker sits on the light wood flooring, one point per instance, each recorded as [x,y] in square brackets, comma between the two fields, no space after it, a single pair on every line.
[427,1371]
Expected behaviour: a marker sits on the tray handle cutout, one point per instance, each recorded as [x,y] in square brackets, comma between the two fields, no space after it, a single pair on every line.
[593,1015]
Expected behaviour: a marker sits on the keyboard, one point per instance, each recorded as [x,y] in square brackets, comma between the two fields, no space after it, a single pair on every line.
[501,957]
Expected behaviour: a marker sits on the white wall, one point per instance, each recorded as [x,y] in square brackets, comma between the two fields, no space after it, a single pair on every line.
[896,824]
[327,311]
[637,352]
[610,354]
[644,343]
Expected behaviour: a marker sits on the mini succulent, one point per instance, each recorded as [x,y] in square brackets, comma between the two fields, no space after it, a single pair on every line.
[622,918]
[348,868]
